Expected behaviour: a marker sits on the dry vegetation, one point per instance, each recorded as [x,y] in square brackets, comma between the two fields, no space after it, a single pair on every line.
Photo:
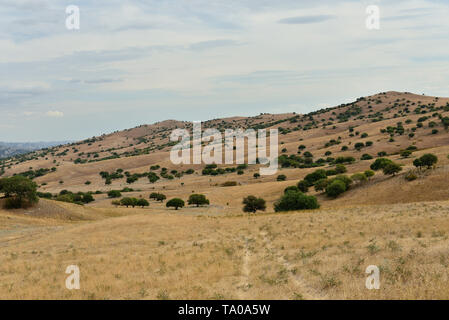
[216,251]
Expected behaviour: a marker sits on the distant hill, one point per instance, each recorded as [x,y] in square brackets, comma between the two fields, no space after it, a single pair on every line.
[8,149]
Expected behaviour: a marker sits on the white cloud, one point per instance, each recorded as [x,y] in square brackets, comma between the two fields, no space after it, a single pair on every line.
[55,114]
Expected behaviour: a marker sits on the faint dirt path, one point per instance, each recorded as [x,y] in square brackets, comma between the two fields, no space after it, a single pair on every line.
[304,288]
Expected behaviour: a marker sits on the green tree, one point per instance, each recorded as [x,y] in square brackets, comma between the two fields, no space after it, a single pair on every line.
[252,204]
[142,203]
[428,160]
[114,194]
[335,188]
[20,191]
[127,202]
[175,203]
[293,200]
[198,199]
[380,163]
[392,169]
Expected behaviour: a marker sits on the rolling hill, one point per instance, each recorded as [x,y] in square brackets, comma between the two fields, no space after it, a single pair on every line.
[396,222]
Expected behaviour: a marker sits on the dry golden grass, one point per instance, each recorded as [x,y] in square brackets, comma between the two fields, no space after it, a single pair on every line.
[302,255]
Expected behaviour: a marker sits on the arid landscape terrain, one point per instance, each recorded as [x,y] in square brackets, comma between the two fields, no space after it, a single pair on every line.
[398,222]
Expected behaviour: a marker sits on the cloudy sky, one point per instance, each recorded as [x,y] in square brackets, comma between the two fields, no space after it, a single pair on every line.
[134,61]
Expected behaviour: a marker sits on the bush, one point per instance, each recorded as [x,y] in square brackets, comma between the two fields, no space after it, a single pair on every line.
[296,201]
[128,202]
[303,186]
[369,173]
[366,156]
[321,184]
[311,178]
[428,160]
[359,177]
[197,199]
[380,163]
[21,191]
[46,195]
[175,203]
[335,188]
[281,177]
[256,175]
[142,203]
[252,204]
[229,184]
[392,169]
[410,176]
[158,196]
[339,168]
[115,203]
[291,188]
[114,194]
[406,153]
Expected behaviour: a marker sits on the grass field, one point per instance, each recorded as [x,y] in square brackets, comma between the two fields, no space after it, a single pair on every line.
[300,255]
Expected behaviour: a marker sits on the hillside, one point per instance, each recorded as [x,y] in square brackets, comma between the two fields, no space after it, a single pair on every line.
[219,252]
[389,122]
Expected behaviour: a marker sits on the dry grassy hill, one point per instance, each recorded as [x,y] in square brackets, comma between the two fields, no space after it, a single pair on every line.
[217,251]
[326,130]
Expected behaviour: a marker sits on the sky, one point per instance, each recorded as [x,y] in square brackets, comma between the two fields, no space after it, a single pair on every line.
[136,62]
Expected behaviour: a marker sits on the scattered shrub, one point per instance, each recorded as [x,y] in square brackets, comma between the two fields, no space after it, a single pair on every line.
[293,200]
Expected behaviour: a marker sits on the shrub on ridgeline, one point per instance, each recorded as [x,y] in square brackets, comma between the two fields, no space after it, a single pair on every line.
[293,200]
[253,204]
[175,203]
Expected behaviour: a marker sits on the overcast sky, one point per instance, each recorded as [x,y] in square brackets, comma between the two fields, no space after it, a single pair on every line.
[135,62]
